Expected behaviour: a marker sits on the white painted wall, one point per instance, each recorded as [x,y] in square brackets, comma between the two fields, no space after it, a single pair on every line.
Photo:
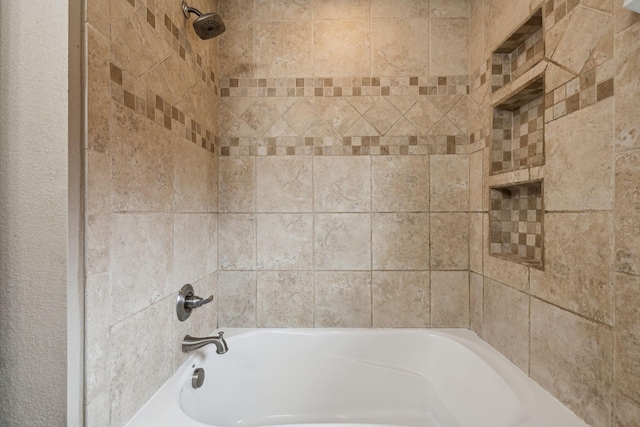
[33,212]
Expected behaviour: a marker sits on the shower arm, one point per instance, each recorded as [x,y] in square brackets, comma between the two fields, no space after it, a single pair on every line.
[188,10]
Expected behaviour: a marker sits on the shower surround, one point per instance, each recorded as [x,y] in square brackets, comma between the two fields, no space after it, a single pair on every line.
[328,163]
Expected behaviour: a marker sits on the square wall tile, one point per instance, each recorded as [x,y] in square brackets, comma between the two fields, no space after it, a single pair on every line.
[574,362]
[627,412]
[285,242]
[342,241]
[342,299]
[627,357]
[342,184]
[506,322]
[97,212]
[285,299]
[449,241]
[237,299]
[627,89]
[237,53]
[449,183]
[276,59]
[392,39]
[449,42]
[341,48]
[627,213]
[400,183]
[191,176]
[284,184]
[400,299]
[237,184]
[138,281]
[190,247]
[476,303]
[237,242]
[400,241]
[449,299]
[476,242]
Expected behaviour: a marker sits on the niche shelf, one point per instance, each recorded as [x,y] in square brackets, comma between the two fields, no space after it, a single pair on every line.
[517,140]
[519,53]
[516,218]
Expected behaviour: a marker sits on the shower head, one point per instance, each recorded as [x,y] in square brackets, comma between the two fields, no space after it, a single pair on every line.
[206,26]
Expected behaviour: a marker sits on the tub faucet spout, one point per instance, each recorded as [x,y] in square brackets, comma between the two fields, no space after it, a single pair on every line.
[190,343]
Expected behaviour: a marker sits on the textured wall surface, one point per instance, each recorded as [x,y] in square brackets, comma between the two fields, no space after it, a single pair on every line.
[570,324]
[151,198]
[33,214]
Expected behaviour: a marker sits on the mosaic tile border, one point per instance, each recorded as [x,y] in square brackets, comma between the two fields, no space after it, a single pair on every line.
[176,39]
[161,112]
[346,146]
[590,87]
[516,216]
[344,86]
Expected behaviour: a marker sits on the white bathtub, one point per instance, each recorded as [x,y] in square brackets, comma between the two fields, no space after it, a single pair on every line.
[353,377]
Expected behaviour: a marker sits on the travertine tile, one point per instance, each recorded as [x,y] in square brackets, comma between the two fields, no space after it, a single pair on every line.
[627,412]
[449,183]
[277,59]
[237,242]
[269,10]
[476,242]
[342,184]
[449,40]
[627,328]
[582,35]
[342,241]
[98,87]
[237,299]
[424,115]
[98,15]
[400,183]
[513,274]
[400,299]
[190,178]
[141,163]
[235,10]
[212,183]
[98,212]
[341,48]
[97,412]
[574,363]
[475,182]
[399,9]
[627,89]
[172,79]
[449,241]
[190,247]
[140,348]
[506,322]
[97,324]
[391,42]
[400,241]
[450,299]
[476,303]
[139,281]
[476,43]
[382,115]
[285,299]
[450,8]
[582,143]
[212,247]
[237,187]
[340,9]
[284,184]
[342,299]
[578,270]
[503,17]
[627,213]
[624,18]
[285,242]
[237,53]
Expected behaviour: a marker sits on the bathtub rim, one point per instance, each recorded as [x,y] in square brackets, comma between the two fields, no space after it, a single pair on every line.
[531,395]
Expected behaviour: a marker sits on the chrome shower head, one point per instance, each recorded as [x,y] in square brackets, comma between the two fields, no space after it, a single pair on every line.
[206,26]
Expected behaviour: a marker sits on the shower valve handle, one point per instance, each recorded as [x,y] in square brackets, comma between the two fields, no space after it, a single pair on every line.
[187,301]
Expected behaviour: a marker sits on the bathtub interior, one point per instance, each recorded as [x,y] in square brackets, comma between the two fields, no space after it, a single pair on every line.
[408,378]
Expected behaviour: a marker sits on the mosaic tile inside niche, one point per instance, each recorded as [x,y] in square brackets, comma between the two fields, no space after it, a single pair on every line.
[555,10]
[162,112]
[346,146]
[518,53]
[518,131]
[344,86]
[516,215]
[153,14]
[589,87]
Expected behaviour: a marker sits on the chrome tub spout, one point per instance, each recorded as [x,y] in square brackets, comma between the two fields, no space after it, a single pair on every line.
[190,343]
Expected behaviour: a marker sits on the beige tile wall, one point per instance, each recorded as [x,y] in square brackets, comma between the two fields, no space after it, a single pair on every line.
[573,326]
[151,197]
[344,173]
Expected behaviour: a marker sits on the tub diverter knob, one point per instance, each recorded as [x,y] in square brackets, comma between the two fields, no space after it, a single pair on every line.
[197,379]
[187,301]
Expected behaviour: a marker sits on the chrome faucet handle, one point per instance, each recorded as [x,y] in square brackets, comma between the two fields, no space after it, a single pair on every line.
[187,301]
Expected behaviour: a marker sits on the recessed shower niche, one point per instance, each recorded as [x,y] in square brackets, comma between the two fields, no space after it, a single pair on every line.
[516,220]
